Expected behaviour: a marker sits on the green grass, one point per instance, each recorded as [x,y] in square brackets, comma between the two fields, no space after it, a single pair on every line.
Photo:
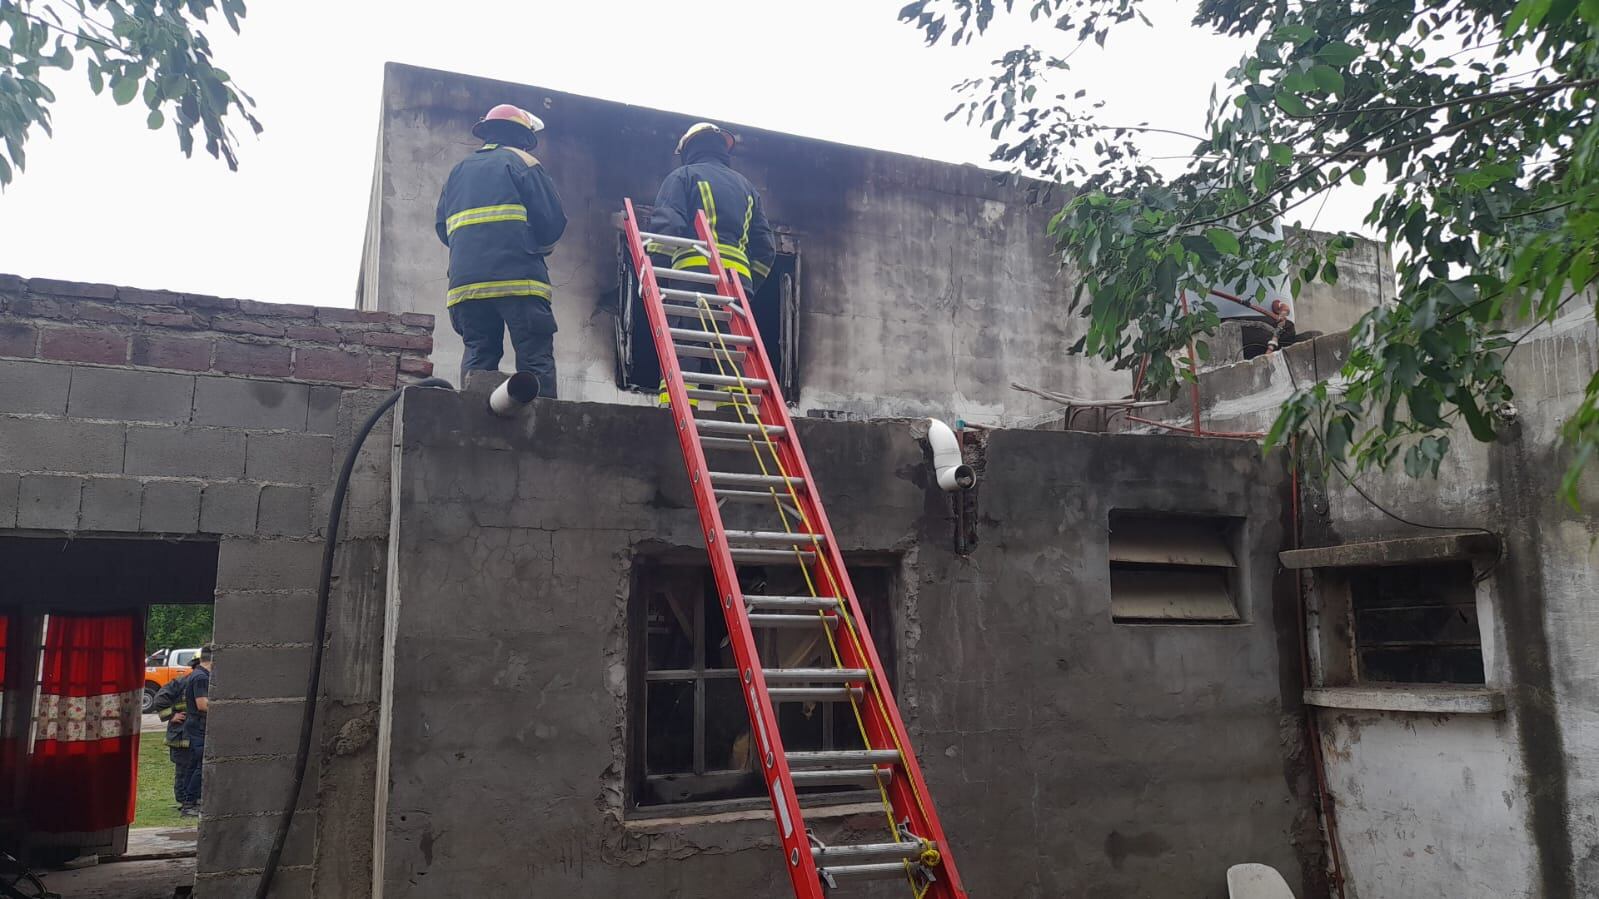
[155,806]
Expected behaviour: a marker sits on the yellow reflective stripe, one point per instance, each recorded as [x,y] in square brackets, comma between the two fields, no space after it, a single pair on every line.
[728,252]
[487,290]
[699,261]
[482,215]
[708,202]
[762,270]
[749,213]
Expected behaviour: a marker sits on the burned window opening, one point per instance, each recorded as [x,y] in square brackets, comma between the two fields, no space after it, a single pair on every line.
[690,738]
[776,305]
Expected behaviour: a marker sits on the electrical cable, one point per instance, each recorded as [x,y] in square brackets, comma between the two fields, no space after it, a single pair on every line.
[314,681]
[1499,539]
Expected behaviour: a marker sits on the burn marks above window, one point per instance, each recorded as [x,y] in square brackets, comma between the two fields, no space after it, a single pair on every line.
[1173,569]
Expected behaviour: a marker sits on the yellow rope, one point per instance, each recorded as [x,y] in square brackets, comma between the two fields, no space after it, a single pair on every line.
[723,351]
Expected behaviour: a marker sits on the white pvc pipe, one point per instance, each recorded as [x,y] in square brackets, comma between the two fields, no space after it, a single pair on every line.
[952,471]
[513,394]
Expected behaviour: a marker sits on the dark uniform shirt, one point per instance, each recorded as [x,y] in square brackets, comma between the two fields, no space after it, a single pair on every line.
[732,206]
[500,216]
[196,686]
[169,701]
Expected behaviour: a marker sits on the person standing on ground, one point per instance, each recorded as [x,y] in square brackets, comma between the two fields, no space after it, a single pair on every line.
[196,698]
[500,216]
[706,181]
[171,706]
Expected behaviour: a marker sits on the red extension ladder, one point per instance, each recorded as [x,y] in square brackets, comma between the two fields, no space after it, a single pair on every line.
[740,375]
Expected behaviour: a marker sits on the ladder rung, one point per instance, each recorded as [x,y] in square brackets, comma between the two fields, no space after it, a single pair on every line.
[692,312]
[816,603]
[868,852]
[681,275]
[670,241]
[718,426]
[730,444]
[815,694]
[726,380]
[842,777]
[780,538]
[748,400]
[747,496]
[739,479]
[710,337]
[693,297]
[824,675]
[793,621]
[774,556]
[701,352]
[836,757]
[885,871]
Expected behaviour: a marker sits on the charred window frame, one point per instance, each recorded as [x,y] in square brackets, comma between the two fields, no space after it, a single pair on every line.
[1170,568]
[689,740]
[776,305]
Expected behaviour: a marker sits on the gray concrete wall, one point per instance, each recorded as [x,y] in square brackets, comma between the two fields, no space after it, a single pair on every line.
[925,287]
[1069,756]
[1446,805]
[108,430]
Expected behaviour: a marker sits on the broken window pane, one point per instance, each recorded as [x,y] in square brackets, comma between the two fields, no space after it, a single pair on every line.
[727,727]
[669,713]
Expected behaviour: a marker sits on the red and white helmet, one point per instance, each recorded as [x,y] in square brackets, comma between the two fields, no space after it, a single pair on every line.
[505,112]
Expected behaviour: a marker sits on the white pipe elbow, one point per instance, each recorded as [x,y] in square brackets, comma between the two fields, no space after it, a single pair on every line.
[513,394]
[951,469]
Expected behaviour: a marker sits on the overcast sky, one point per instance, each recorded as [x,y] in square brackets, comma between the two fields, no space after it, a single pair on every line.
[107,200]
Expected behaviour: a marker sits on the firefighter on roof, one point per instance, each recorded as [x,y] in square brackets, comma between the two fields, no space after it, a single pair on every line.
[706,180]
[500,216]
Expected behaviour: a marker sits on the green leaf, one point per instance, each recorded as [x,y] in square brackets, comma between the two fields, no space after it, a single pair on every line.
[1292,105]
[1338,54]
[1283,154]
[156,120]
[1293,34]
[123,90]
[1327,78]
[1223,240]
[1357,176]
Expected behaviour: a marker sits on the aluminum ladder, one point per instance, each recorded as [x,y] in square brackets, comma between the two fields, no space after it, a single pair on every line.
[914,850]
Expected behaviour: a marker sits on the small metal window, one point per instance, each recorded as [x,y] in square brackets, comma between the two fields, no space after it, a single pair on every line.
[1416,624]
[1173,568]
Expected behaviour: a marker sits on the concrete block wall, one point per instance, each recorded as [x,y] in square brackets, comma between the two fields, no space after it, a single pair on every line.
[1068,755]
[102,435]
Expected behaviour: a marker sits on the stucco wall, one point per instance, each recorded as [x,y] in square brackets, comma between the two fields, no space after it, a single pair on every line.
[1433,805]
[1069,756]
[925,287]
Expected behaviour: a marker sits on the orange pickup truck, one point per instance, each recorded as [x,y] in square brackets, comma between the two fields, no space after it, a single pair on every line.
[161,667]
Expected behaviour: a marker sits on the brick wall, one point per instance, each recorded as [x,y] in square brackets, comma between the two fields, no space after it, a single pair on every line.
[65,321]
[128,412]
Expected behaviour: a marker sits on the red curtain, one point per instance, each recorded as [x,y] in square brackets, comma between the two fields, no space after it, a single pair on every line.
[83,773]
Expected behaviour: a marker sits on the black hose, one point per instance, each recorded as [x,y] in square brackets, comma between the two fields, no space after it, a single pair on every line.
[314,682]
